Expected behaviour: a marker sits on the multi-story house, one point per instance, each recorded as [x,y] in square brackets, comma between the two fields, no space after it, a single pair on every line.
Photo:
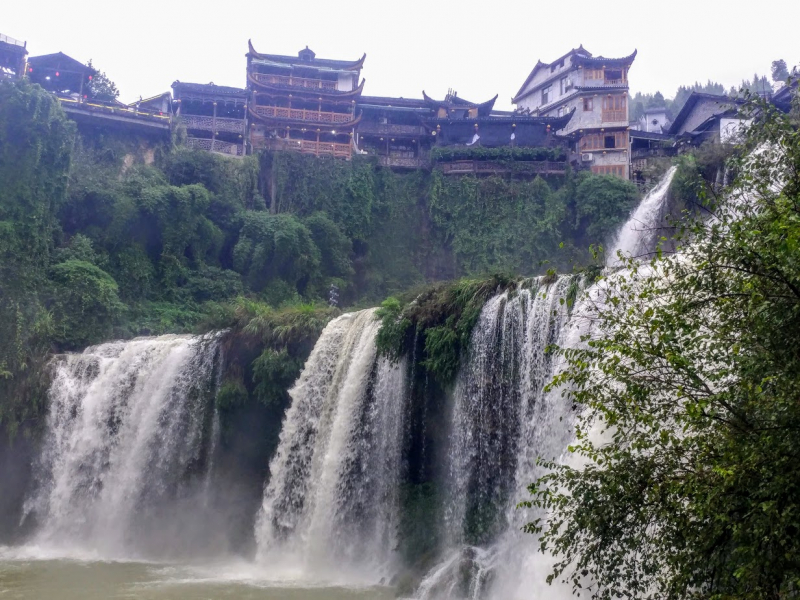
[302,102]
[596,88]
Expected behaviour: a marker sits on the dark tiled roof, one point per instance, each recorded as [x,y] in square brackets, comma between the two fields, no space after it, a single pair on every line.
[590,61]
[393,102]
[208,89]
[541,65]
[725,102]
[59,60]
[322,63]
[651,135]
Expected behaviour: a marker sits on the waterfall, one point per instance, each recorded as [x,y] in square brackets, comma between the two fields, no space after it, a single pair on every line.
[502,421]
[127,447]
[330,508]
[639,234]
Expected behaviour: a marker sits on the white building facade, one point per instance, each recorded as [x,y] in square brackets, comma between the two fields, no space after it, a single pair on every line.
[596,89]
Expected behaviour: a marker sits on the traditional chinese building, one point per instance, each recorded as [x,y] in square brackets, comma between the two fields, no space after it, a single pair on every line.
[302,102]
[393,129]
[596,89]
[12,57]
[61,74]
[215,116]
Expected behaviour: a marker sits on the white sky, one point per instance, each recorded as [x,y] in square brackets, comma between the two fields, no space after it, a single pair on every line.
[477,48]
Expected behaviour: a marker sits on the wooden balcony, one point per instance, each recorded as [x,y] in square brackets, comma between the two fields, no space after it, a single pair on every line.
[217,146]
[390,129]
[615,116]
[213,124]
[490,167]
[309,147]
[299,82]
[298,114]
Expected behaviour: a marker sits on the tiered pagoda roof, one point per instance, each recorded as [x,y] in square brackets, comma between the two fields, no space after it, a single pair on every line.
[452,103]
[306,58]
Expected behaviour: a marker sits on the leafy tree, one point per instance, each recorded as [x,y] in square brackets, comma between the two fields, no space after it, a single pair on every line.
[101,87]
[276,247]
[686,482]
[601,204]
[86,304]
[780,72]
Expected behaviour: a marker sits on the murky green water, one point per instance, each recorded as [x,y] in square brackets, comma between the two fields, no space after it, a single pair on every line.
[29,578]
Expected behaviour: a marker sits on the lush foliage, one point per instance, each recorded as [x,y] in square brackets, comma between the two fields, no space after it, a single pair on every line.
[445,154]
[685,481]
[441,319]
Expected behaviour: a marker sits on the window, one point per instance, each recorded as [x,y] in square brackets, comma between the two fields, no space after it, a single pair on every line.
[565,85]
[609,142]
[561,111]
[546,94]
[588,104]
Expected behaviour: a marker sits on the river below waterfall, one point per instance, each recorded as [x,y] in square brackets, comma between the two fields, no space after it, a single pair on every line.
[28,574]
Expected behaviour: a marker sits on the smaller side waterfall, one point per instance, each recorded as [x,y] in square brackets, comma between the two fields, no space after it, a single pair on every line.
[127,447]
[502,421]
[330,508]
[639,234]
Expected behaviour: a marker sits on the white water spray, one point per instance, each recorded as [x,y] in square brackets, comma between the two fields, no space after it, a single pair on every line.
[330,508]
[126,446]
[638,236]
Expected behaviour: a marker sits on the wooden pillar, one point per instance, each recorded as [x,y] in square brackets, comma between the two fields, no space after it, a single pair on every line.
[214,127]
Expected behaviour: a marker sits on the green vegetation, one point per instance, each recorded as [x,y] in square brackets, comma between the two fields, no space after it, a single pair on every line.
[109,235]
[692,488]
[441,319]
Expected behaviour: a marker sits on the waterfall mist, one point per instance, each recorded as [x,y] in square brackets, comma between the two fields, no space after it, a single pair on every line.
[125,462]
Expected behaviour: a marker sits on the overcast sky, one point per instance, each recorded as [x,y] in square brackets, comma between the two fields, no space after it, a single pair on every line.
[477,48]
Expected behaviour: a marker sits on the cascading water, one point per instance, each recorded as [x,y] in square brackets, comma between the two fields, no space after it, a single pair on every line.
[330,508]
[504,420]
[127,447]
[638,235]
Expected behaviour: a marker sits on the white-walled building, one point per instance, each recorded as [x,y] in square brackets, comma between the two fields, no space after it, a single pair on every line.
[654,120]
[596,89]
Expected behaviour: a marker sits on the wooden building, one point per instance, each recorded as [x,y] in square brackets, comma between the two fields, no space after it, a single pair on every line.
[61,74]
[393,129]
[596,89]
[13,54]
[215,116]
[303,103]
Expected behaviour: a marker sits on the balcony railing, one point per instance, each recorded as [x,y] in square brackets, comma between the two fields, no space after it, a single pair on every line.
[309,147]
[217,146]
[390,129]
[614,81]
[651,152]
[614,116]
[213,124]
[488,167]
[300,82]
[299,114]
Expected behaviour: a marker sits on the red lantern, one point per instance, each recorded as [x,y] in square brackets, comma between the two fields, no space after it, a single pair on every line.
[57,73]
[90,77]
